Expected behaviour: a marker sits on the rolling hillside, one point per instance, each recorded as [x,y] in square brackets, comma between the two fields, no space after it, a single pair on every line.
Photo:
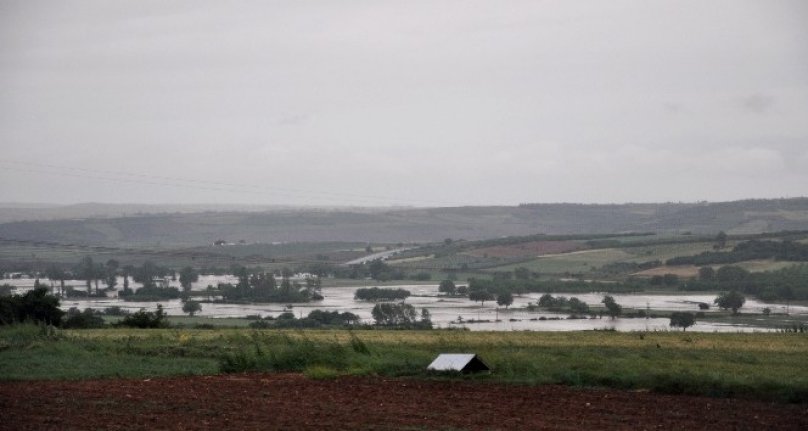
[413,225]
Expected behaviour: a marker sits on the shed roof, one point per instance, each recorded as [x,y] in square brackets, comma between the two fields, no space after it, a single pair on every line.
[458,362]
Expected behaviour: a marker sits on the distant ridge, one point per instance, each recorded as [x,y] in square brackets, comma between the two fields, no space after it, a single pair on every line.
[189,225]
[10,211]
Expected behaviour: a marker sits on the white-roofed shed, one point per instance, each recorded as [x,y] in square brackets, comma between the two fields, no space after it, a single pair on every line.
[462,362]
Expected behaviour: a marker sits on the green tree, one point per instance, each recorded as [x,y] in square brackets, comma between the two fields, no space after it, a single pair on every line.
[505,298]
[577,306]
[314,286]
[730,301]
[187,277]
[145,319]
[546,301]
[682,320]
[731,274]
[613,309]
[380,270]
[670,279]
[706,273]
[36,305]
[394,314]
[88,318]
[481,296]
[264,286]
[448,287]
[334,318]
[720,240]
[191,307]
[56,273]
[243,275]
[147,274]
[85,270]
[111,273]
[521,273]
[127,271]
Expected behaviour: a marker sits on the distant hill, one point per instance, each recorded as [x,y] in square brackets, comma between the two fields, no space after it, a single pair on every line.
[188,228]
[37,211]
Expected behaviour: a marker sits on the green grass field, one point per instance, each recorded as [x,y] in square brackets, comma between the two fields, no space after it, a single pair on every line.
[664,252]
[761,366]
[583,262]
[577,262]
[764,265]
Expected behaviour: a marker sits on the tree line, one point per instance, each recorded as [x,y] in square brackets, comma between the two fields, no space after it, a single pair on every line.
[786,284]
[262,287]
[381,294]
[747,250]
[39,306]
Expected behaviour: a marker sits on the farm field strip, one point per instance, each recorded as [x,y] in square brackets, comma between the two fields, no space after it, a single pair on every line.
[762,366]
[574,262]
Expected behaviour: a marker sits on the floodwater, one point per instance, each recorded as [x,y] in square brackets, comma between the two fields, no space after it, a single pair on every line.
[445,312]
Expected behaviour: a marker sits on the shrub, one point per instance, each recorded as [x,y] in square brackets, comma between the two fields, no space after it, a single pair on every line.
[260,324]
[152,294]
[333,317]
[88,318]
[358,345]
[145,319]
[423,276]
[116,311]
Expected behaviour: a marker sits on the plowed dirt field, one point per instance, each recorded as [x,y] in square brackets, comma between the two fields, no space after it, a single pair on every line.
[290,401]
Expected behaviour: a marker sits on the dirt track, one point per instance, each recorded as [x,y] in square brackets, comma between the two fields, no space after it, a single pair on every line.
[266,401]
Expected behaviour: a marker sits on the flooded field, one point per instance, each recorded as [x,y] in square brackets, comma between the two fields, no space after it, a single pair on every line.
[447,312]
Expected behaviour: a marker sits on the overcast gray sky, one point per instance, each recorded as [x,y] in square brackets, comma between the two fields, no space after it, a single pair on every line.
[402,102]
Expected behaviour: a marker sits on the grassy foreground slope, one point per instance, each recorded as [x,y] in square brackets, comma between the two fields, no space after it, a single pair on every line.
[761,366]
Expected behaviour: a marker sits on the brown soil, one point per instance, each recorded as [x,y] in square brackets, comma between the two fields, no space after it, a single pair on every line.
[525,249]
[288,401]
